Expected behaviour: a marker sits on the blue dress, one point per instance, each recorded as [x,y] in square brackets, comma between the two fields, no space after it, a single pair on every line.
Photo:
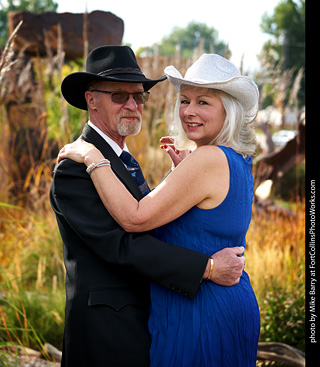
[221,326]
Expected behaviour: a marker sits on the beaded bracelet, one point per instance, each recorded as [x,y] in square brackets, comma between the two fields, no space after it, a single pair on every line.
[92,166]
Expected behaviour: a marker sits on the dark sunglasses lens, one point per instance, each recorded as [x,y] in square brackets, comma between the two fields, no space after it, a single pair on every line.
[122,97]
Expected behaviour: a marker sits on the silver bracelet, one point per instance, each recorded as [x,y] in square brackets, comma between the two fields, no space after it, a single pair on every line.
[92,166]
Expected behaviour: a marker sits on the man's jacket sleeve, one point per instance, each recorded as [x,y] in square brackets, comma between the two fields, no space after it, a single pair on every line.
[79,209]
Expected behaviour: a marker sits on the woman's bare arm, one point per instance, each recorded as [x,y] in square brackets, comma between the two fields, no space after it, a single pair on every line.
[200,179]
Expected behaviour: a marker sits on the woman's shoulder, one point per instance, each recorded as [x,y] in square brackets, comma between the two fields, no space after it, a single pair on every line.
[209,154]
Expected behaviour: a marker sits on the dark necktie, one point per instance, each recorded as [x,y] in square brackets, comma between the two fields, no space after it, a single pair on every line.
[133,167]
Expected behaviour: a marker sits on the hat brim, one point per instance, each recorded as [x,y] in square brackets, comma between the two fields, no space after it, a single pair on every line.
[242,88]
[74,85]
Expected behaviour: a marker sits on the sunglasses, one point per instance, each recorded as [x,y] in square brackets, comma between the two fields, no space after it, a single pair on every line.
[123,97]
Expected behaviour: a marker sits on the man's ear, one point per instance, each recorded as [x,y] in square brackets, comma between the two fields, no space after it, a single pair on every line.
[91,100]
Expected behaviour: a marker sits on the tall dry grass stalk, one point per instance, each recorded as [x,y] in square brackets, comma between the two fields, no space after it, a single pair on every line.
[31,250]
[6,59]
[276,250]
[28,99]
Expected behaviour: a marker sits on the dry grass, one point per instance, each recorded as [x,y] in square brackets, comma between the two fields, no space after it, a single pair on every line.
[276,250]
[31,251]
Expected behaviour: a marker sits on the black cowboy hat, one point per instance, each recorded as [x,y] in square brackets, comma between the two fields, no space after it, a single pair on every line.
[105,63]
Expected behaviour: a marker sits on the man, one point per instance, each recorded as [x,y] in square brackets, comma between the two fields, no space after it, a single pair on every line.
[108,271]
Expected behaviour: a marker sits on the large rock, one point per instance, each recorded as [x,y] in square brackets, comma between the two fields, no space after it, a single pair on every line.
[103,28]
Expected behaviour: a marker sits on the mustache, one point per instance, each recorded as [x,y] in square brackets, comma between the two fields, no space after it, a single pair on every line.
[130,114]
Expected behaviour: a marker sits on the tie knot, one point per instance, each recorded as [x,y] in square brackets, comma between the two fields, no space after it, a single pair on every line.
[129,160]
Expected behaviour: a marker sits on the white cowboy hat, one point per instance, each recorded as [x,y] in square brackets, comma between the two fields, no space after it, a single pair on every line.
[216,72]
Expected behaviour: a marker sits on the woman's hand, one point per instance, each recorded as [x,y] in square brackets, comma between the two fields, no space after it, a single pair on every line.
[81,152]
[176,155]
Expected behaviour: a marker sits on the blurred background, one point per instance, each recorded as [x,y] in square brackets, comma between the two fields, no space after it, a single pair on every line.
[42,41]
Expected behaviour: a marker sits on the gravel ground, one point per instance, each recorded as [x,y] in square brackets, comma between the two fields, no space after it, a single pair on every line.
[18,356]
[25,361]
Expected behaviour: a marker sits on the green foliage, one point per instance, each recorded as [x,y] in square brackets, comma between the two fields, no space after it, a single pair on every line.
[35,318]
[31,318]
[33,6]
[188,39]
[283,316]
[64,122]
[32,297]
[291,184]
[287,26]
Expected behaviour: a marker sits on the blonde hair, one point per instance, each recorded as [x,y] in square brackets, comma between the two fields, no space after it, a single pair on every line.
[235,133]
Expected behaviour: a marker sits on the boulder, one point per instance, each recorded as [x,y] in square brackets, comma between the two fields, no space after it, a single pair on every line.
[103,28]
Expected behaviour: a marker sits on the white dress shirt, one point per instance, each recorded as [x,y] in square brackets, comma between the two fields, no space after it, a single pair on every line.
[111,142]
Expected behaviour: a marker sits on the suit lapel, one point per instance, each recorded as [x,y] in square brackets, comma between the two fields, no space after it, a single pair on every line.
[91,136]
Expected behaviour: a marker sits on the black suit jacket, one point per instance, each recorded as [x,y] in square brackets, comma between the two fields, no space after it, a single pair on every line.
[108,271]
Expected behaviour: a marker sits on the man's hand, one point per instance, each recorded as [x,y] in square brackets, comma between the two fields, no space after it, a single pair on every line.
[228,265]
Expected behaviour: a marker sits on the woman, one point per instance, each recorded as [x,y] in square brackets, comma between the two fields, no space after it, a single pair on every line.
[204,204]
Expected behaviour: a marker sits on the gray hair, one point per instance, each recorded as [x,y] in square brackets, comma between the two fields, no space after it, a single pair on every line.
[235,133]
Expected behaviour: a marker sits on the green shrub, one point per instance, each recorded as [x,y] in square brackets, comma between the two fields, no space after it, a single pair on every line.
[31,318]
[283,316]
[291,184]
